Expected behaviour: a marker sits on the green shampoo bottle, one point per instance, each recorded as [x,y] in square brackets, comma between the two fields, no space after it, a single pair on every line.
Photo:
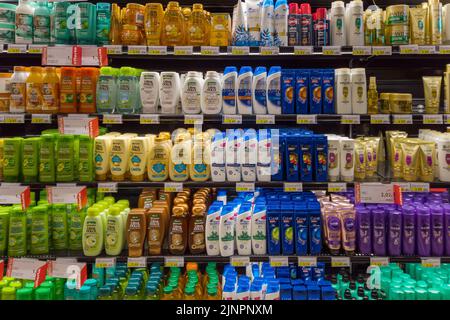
[12,148]
[17,243]
[39,230]
[30,159]
[47,158]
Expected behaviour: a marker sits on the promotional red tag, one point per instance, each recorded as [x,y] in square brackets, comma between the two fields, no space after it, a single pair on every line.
[41,273]
[2,268]
[102,56]
[77,53]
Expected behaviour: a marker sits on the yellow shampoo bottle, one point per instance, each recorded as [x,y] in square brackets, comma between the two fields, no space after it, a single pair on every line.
[153,18]
[180,157]
[158,160]
[118,161]
[173,25]
[138,158]
[197,29]
[34,90]
[200,169]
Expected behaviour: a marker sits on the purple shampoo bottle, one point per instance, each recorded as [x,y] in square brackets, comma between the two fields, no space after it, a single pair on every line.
[364,230]
[423,231]
[437,231]
[394,232]
[447,228]
[379,232]
[409,230]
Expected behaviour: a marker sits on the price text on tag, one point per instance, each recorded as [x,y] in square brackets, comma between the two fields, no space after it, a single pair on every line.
[303,51]
[240,51]
[193,119]
[138,262]
[379,261]
[293,187]
[307,261]
[12,118]
[17,48]
[105,262]
[114,49]
[41,118]
[350,119]
[432,262]
[279,261]
[112,119]
[183,50]
[444,49]
[239,261]
[245,187]
[380,119]
[331,50]
[419,187]
[140,50]
[427,50]
[265,119]
[173,262]
[402,119]
[362,51]
[157,50]
[387,193]
[149,119]
[382,51]
[232,119]
[107,187]
[209,50]
[433,119]
[269,51]
[339,262]
[306,119]
[409,49]
[173,187]
[337,187]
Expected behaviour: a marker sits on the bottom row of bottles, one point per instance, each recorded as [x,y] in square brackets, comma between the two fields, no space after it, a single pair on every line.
[259,281]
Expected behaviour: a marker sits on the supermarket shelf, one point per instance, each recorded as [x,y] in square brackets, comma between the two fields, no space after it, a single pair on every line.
[325,258]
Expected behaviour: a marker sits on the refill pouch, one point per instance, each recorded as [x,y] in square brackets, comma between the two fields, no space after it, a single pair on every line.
[302,91]
[292,158]
[320,158]
[301,229]
[328,91]
[427,161]
[306,157]
[410,160]
[360,160]
[287,228]
[348,218]
[315,92]
[333,229]
[287,91]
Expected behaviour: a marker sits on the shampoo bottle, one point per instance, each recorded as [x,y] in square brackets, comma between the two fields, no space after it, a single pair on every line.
[211,97]
[273,91]
[267,24]
[114,240]
[229,93]
[281,23]
[106,90]
[212,229]
[244,230]
[149,91]
[227,231]
[244,90]
[169,92]
[24,22]
[259,94]
[218,173]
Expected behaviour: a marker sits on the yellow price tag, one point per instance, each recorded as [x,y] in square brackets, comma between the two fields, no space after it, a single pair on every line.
[307,261]
[171,262]
[139,262]
[340,262]
[265,119]
[239,261]
[278,261]
[13,50]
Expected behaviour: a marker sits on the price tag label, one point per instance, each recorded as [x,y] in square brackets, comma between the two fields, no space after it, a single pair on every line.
[149,119]
[112,119]
[78,125]
[67,195]
[245,187]
[27,269]
[433,262]
[306,119]
[17,48]
[90,55]
[419,187]
[183,50]
[409,49]
[137,50]
[173,187]
[303,50]
[307,261]
[107,187]
[35,48]
[102,263]
[427,50]
[41,118]
[337,187]
[380,119]
[61,56]
[377,193]
[170,262]
[433,119]
[210,51]
[157,50]
[232,119]
[362,51]
[404,186]
[12,118]
[15,194]
[402,119]
[444,49]
[331,50]
[239,261]
[279,261]
[446,118]
[350,119]
[240,51]
[293,187]
[137,262]
[379,261]
[340,262]
[382,51]
[269,51]
[113,49]
[193,119]
[265,119]
[68,268]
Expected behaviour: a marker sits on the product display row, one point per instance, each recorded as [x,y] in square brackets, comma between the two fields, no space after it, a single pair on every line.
[254,23]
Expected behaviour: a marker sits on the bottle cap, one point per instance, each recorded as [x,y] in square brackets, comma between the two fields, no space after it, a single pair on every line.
[305,8]
[321,13]
[293,8]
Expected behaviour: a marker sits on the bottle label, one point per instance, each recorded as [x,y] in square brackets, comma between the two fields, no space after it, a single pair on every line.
[41,29]
[211,95]
[24,27]
[229,93]
[260,92]
[34,96]
[50,94]
[18,91]
[245,92]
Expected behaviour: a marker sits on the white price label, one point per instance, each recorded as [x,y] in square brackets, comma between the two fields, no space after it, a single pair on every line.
[279,261]
[340,262]
[149,119]
[409,49]
[232,119]
[112,119]
[65,268]
[210,51]
[41,118]
[419,187]
[138,50]
[14,194]
[183,50]
[379,261]
[193,119]
[157,50]
[78,125]
[102,263]
[303,50]
[444,49]
[375,193]
[239,261]
[245,187]
[405,186]
[107,187]
[350,119]
[427,50]
[240,51]
[59,56]
[447,118]
[362,51]
[17,48]
[265,119]
[24,268]
[137,262]
[382,51]
[337,187]
[173,262]
[331,50]
[293,187]
[66,194]
[402,119]
[432,262]
[113,49]
[269,51]
[433,119]
[89,56]
[12,118]
[306,119]
[307,261]
[380,119]
[35,48]
[173,186]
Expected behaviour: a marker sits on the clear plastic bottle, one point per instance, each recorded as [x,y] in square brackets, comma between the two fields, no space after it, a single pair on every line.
[372,97]
[41,21]
[197,26]
[173,25]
